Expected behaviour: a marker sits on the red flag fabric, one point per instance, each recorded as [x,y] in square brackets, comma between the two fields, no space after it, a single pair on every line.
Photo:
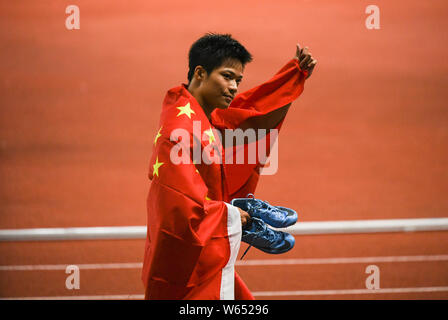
[193,233]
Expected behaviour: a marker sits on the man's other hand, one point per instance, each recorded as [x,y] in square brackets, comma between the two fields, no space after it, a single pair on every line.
[245,217]
[306,60]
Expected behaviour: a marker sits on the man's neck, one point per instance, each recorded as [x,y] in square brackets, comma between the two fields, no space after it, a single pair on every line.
[207,110]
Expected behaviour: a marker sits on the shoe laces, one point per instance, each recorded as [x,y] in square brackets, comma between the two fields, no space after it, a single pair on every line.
[268,233]
[264,205]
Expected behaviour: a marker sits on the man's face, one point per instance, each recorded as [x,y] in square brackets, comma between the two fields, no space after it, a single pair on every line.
[220,87]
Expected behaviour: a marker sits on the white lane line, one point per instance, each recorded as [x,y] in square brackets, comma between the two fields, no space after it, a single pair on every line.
[349,291]
[244,263]
[269,262]
[136,265]
[103,297]
[255,293]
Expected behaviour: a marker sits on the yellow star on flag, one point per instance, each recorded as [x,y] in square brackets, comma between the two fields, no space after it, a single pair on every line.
[211,136]
[158,136]
[156,167]
[194,162]
[185,110]
[207,198]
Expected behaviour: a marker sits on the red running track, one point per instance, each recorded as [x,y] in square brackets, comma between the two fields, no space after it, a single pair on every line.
[367,139]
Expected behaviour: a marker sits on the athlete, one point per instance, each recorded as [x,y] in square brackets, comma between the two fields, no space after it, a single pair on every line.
[193,232]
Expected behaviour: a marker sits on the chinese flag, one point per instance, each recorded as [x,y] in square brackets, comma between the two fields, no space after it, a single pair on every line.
[193,233]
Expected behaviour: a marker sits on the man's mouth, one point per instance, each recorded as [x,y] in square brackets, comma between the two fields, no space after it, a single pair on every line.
[228,97]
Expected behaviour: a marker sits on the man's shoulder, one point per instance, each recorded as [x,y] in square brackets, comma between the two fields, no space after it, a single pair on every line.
[177,115]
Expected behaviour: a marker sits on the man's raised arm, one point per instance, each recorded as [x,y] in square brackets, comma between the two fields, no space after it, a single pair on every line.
[265,106]
[273,118]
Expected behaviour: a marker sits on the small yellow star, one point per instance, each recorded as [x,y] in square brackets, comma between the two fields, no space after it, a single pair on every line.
[194,163]
[156,167]
[158,135]
[185,110]
[211,136]
[207,198]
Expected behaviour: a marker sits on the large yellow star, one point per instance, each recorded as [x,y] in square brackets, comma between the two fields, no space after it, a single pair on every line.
[185,110]
[156,167]
[158,135]
[211,136]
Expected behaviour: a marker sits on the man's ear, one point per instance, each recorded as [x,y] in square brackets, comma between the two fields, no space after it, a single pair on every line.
[200,73]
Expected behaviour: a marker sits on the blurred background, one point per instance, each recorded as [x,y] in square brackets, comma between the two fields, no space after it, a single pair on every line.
[368,138]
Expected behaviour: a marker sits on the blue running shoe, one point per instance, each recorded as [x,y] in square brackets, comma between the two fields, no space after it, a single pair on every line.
[264,238]
[276,216]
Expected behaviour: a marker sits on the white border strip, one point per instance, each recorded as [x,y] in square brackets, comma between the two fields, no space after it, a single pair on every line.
[234,231]
[139,232]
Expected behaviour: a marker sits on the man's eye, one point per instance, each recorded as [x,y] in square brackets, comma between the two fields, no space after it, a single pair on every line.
[227,76]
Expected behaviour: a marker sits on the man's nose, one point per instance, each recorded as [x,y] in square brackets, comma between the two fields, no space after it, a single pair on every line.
[233,87]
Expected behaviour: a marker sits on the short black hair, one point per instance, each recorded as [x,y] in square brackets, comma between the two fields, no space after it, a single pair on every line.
[211,50]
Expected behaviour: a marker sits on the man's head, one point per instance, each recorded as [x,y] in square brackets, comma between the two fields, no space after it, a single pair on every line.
[216,63]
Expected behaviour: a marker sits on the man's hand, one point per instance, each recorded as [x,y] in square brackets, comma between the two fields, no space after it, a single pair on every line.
[306,60]
[245,217]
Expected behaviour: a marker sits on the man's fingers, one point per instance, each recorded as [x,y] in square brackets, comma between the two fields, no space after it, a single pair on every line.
[303,53]
[312,63]
[298,51]
[304,61]
[310,67]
